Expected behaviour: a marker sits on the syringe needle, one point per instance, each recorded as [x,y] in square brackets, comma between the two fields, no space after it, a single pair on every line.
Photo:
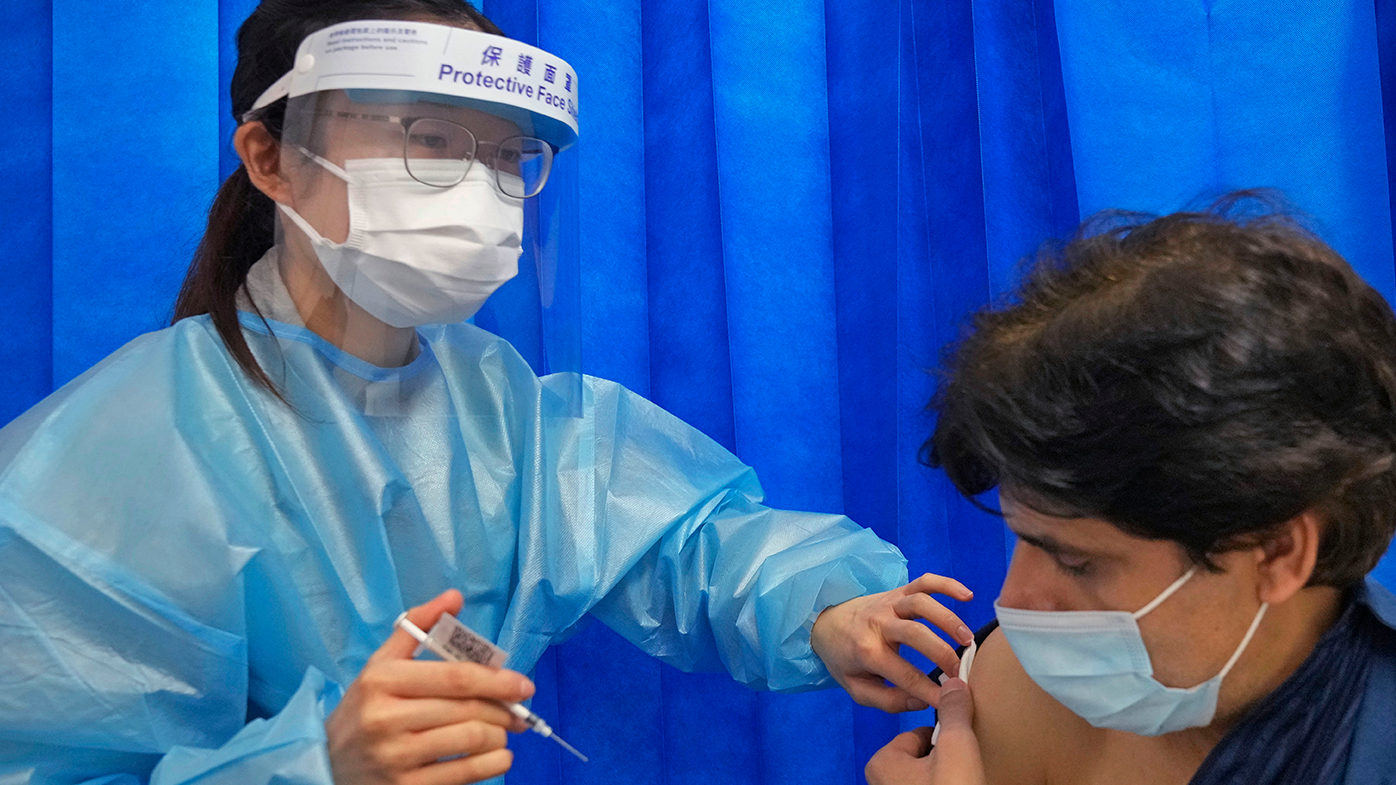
[570,748]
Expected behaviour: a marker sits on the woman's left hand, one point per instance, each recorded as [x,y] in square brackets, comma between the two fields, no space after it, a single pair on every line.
[859,642]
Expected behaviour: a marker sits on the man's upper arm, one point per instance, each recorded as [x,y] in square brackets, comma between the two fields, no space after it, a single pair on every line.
[1019,726]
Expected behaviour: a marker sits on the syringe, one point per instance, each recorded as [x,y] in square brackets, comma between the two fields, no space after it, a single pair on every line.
[535,722]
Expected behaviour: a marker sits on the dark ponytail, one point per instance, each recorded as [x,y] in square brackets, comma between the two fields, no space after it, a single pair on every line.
[242,221]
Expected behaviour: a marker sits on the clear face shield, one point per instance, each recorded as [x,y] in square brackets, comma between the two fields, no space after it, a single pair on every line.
[428,171]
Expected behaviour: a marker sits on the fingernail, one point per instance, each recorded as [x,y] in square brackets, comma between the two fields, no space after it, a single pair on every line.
[913,704]
[963,635]
[526,687]
[954,685]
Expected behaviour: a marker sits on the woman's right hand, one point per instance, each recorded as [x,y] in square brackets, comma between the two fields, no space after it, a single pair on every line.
[909,758]
[410,722]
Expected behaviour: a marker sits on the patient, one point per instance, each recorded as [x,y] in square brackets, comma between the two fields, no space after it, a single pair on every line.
[1191,424]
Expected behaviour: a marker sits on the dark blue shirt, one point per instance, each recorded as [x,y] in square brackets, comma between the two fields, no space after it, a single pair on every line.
[1372,760]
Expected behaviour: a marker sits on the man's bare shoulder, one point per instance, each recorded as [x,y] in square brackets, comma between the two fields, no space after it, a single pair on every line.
[1023,732]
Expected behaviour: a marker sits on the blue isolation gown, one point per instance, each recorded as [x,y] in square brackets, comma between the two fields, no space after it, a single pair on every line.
[191,571]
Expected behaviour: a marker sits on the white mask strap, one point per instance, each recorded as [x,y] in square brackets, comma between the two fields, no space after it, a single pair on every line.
[1176,585]
[328,165]
[315,237]
[1255,623]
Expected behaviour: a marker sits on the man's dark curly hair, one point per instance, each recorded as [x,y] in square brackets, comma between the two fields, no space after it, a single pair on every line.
[1201,378]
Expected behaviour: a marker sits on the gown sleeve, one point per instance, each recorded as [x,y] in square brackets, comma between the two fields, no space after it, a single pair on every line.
[713,579]
[123,646]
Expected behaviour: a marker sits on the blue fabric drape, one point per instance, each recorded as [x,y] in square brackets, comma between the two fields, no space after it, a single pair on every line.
[787,211]
[26,277]
[1169,103]
[156,161]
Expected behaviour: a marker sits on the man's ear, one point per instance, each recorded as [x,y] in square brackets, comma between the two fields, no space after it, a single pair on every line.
[261,157]
[1286,560]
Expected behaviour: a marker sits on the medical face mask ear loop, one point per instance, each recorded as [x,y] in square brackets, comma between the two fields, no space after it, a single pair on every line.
[327,164]
[1245,641]
[1250,633]
[1165,594]
[310,232]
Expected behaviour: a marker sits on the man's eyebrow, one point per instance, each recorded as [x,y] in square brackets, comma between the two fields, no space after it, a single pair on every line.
[1049,544]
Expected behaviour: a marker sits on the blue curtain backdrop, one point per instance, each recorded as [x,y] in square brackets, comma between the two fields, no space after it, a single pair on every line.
[787,210]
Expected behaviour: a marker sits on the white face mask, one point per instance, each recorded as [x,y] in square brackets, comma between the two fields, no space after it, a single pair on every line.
[417,254]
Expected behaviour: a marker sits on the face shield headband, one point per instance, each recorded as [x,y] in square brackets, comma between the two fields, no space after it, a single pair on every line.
[507,78]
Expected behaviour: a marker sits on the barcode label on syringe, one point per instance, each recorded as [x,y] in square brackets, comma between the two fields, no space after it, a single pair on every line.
[465,644]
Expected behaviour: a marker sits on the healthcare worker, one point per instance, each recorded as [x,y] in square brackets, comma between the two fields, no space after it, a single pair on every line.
[205,540]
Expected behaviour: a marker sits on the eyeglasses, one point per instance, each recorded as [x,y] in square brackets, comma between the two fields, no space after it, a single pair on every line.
[440,153]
